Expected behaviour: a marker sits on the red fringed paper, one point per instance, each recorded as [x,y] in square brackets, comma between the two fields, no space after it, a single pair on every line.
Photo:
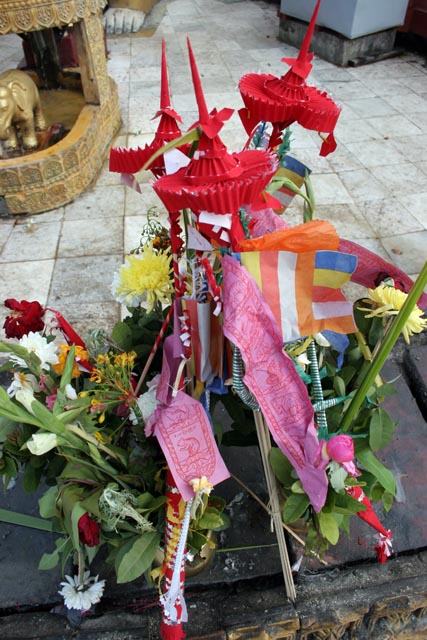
[289,99]
[215,180]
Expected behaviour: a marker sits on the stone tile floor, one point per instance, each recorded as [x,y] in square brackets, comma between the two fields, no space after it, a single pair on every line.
[373,188]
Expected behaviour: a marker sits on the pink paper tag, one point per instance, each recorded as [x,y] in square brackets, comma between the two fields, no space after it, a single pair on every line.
[185,436]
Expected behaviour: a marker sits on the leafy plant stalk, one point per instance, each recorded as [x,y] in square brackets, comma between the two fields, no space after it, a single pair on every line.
[386,346]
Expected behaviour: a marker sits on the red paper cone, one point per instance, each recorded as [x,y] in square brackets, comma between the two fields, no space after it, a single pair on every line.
[132,160]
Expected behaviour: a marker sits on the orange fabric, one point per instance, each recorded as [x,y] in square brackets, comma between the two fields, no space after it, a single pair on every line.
[315,235]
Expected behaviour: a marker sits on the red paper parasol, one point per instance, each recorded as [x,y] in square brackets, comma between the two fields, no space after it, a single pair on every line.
[215,180]
[132,160]
[289,99]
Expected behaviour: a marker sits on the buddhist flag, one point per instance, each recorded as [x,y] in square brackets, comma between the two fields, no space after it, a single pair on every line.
[295,171]
[303,290]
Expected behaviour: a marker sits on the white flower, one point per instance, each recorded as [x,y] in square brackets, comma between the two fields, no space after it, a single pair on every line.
[321,340]
[25,397]
[147,402]
[70,392]
[82,596]
[23,381]
[38,344]
[41,443]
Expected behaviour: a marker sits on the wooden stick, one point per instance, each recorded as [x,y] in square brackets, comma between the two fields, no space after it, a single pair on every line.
[265,447]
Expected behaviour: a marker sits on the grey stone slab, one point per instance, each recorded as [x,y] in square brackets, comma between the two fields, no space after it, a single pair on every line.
[362,185]
[407,251]
[104,236]
[388,216]
[38,240]
[82,279]
[104,201]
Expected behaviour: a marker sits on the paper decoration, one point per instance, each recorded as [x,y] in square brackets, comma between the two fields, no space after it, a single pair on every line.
[289,99]
[272,378]
[132,160]
[215,180]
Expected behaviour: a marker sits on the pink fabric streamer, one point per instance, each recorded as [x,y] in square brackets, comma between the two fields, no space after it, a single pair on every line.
[272,378]
[370,267]
[265,221]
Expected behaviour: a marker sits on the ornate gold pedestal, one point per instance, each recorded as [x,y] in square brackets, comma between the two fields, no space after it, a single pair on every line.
[50,178]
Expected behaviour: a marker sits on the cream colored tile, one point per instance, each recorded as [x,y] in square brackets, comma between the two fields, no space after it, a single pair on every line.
[361,185]
[85,279]
[394,126]
[28,280]
[328,189]
[347,220]
[38,240]
[103,201]
[407,251]
[5,231]
[373,153]
[401,178]
[416,204]
[103,236]
[388,217]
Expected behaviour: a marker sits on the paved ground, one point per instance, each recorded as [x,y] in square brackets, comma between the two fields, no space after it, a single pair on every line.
[373,188]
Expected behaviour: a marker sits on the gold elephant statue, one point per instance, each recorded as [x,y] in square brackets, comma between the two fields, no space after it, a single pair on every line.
[20,110]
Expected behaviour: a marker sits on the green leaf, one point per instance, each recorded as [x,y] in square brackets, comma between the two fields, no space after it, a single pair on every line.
[136,556]
[77,512]
[374,466]
[122,335]
[295,507]
[12,517]
[211,519]
[47,503]
[381,429]
[281,466]
[347,505]
[49,560]
[339,386]
[329,527]
[68,369]
[31,477]
[387,499]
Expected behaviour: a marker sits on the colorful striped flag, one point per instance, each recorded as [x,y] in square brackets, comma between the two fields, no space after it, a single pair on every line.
[303,290]
[293,170]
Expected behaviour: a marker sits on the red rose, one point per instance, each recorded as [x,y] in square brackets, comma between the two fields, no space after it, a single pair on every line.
[88,531]
[25,317]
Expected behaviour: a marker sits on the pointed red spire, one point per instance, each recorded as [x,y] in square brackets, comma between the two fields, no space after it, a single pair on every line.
[303,53]
[201,103]
[165,100]
[301,66]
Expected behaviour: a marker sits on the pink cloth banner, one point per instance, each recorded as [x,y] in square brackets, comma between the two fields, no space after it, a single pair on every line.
[272,378]
[371,267]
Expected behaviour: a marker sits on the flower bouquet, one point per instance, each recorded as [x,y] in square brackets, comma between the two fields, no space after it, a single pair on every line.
[229,303]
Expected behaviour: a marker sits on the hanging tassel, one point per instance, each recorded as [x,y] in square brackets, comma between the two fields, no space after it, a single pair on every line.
[172,629]
[384,547]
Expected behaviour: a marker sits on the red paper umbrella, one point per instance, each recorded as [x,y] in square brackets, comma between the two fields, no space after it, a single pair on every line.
[131,160]
[215,180]
[289,99]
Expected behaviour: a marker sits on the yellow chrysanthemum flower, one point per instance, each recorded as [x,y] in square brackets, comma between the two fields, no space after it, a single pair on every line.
[144,279]
[389,302]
